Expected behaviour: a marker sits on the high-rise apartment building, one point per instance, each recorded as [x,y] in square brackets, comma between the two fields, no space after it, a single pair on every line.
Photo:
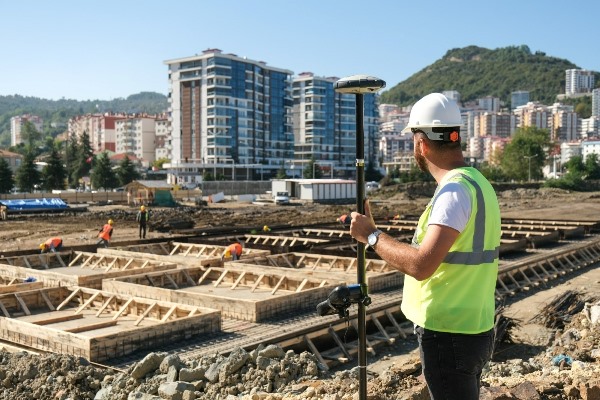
[519,98]
[16,126]
[578,81]
[135,135]
[596,102]
[324,124]
[230,111]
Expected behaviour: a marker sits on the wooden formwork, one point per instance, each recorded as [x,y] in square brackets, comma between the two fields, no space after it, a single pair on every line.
[274,243]
[237,293]
[379,274]
[11,284]
[208,255]
[77,268]
[98,325]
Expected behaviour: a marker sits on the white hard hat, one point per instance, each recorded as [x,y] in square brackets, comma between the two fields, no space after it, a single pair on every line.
[434,111]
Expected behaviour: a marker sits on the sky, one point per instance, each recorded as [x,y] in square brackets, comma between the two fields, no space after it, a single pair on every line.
[101,50]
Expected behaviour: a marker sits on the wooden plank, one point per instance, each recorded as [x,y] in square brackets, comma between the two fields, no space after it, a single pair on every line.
[91,327]
[170,280]
[4,310]
[106,304]
[22,304]
[187,277]
[175,249]
[145,313]
[88,302]
[314,350]
[127,264]
[55,320]
[238,280]
[301,286]
[76,259]
[112,264]
[60,260]
[223,275]
[391,318]
[169,313]
[208,271]
[381,329]
[122,309]
[278,284]
[339,342]
[260,278]
[44,295]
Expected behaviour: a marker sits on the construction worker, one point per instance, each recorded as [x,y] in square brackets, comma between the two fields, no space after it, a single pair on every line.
[142,218]
[3,213]
[53,244]
[233,251]
[345,219]
[105,234]
[266,228]
[451,267]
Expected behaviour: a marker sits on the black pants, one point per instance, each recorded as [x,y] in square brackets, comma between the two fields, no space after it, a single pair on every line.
[452,362]
[142,231]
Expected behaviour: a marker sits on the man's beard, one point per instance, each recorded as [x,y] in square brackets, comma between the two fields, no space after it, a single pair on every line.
[421,163]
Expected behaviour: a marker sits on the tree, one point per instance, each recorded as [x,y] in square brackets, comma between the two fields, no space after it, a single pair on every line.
[27,174]
[71,156]
[592,168]
[525,155]
[102,175]
[54,173]
[371,173]
[312,170]
[127,172]
[7,181]
[30,135]
[84,158]
[160,162]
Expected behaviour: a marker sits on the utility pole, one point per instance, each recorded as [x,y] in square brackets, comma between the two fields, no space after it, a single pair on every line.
[529,159]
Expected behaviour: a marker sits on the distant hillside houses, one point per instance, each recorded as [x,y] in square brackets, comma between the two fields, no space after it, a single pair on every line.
[488,125]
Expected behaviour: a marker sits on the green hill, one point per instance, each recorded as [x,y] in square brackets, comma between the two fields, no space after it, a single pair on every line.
[56,113]
[477,72]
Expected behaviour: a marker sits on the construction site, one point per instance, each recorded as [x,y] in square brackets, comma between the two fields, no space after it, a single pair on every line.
[172,295]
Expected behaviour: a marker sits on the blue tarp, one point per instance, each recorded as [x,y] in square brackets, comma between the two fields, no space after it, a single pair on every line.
[34,204]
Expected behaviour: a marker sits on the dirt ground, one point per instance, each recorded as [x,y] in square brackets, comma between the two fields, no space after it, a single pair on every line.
[28,231]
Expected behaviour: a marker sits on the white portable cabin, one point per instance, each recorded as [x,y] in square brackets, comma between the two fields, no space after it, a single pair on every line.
[339,191]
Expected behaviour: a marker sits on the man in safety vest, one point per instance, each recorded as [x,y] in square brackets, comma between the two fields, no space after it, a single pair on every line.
[452,265]
[53,244]
[105,234]
[233,251]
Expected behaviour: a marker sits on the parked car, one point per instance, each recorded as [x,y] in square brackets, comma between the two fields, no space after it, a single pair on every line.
[372,186]
[282,198]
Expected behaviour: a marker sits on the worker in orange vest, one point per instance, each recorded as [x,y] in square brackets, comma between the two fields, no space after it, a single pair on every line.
[345,219]
[53,244]
[105,233]
[233,251]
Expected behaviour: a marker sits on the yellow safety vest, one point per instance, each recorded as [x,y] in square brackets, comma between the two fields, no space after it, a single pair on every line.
[459,296]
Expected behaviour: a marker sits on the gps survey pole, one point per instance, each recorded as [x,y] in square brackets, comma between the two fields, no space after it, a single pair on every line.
[359,85]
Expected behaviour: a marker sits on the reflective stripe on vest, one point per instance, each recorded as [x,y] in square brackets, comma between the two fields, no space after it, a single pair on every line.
[478,255]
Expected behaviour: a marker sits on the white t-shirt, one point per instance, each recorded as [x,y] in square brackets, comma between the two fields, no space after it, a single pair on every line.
[452,207]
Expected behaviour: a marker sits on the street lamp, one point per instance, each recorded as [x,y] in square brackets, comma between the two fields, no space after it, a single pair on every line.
[529,159]
[359,85]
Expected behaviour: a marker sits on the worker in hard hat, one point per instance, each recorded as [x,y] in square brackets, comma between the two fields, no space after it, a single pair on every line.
[451,266]
[105,234]
[345,219]
[142,219]
[233,251]
[53,244]
[266,228]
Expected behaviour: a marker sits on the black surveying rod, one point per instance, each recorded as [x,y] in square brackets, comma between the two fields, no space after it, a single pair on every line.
[359,85]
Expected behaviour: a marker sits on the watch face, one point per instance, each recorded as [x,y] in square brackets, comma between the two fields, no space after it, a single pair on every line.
[372,239]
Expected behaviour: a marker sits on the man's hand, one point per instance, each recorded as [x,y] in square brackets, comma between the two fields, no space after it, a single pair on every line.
[362,225]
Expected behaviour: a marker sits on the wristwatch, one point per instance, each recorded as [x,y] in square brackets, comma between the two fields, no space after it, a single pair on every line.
[373,238]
